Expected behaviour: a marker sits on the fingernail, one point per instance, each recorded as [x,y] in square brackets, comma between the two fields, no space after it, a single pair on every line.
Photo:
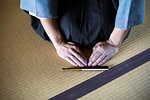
[81,65]
[85,64]
[99,64]
[75,65]
[89,64]
[93,65]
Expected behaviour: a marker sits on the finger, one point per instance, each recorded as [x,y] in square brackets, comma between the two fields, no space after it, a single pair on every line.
[78,51]
[81,54]
[104,60]
[79,57]
[95,55]
[78,62]
[94,47]
[99,60]
[71,61]
[98,44]
[70,42]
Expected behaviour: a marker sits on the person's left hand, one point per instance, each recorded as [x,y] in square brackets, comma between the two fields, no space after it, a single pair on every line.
[101,53]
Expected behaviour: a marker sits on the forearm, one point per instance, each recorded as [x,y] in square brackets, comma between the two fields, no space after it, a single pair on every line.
[117,36]
[67,50]
[51,27]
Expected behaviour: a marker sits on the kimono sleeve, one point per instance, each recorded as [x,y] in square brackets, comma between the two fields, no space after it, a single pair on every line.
[130,13]
[41,8]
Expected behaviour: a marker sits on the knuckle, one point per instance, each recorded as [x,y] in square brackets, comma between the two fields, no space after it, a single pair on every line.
[66,57]
[69,55]
[91,61]
[70,49]
[67,52]
[98,47]
[96,62]
[100,58]
[96,56]
[75,48]
[78,56]
[73,45]
[106,54]
[102,63]
[102,49]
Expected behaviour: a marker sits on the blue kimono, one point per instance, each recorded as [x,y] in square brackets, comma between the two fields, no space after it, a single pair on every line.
[86,22]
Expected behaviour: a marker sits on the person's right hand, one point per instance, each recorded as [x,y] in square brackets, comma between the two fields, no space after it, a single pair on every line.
[70,52]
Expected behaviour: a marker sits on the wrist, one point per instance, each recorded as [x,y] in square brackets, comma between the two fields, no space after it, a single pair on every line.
[113,43]
[117,37]
[58,43]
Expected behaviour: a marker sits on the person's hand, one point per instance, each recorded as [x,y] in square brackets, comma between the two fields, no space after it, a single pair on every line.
[70,52]
[102,52]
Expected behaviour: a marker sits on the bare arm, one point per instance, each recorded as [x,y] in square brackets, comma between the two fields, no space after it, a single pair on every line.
[52,30]
[103,51]
[67,50]
[117,36]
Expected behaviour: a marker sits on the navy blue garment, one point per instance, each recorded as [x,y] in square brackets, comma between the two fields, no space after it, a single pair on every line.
[86,22]
[38,28]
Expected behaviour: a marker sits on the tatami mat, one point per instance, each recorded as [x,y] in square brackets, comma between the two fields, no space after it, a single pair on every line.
[30,69]
[134,85]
